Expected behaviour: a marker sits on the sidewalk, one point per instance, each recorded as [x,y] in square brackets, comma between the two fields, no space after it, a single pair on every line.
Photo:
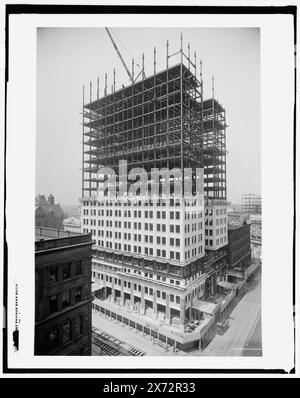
[242,320]
[130,336]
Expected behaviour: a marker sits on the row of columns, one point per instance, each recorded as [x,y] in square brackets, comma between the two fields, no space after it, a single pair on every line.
[142,307]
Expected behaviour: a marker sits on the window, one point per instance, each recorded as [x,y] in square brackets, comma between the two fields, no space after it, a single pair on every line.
[53,304]
[177,229]
[177,300]
[66,331]
[54,337]
[66,302]
[79,325]
[78,267]
[78,294]
[53,274]
[66,271]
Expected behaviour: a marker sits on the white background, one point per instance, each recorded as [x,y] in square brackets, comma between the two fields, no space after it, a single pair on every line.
[277,84]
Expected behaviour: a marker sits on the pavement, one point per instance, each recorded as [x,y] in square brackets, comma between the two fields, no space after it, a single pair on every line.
[130,336]
[243,321]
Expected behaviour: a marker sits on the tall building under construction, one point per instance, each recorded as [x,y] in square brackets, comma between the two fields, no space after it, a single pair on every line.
[157,263]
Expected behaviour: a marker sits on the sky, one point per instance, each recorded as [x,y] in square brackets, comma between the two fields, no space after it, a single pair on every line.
[68,58]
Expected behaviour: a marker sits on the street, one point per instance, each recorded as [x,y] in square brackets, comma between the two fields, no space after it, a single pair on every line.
[244,327]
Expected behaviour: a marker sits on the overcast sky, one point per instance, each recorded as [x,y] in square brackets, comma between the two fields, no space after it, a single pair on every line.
[68,58]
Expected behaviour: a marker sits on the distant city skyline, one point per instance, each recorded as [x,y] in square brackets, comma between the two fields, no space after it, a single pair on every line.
[67,58]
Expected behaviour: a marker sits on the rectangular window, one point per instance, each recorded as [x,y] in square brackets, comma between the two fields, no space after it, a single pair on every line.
[53,304]
[66,301]
[53,274]
[78,294]
[66,271]
[66,331]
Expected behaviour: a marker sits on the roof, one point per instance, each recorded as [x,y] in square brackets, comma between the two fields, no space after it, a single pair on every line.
[42,233]
[232,227]
[205,306]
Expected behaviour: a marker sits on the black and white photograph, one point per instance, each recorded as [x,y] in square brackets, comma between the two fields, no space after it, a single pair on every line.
[149,195]
[147,271]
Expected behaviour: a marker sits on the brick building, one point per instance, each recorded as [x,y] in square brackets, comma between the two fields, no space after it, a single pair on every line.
[63,299]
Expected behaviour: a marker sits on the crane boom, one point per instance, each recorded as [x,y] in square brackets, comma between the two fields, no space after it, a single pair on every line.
[119,54]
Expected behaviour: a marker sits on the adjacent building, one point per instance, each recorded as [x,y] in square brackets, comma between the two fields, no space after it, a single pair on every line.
[157,261]
[239,251]
[48,214]
[63,299]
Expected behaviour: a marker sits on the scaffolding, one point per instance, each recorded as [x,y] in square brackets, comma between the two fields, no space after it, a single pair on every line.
[161,121]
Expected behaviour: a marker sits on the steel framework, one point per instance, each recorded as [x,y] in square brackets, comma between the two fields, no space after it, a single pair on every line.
[156,122]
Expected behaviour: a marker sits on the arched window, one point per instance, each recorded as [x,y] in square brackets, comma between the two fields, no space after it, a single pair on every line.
[66,331]
[54,337]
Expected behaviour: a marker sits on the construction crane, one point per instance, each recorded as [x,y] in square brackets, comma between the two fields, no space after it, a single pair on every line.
[119,54]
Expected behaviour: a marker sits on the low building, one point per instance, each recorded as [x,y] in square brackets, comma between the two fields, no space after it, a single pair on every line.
[48,214]
[239,250]
[63,299]
[72,224]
